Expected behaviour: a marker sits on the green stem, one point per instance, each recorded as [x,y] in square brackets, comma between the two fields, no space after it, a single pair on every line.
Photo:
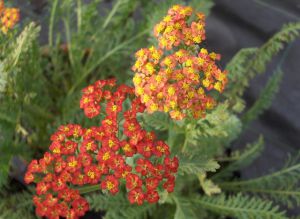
[51,25]
[277,9]
[111,14]
[227,159]
[79,15]
[69,42]
[88,189]
[185,143]
[266,191]
[170,130]
[256,180]
[106,56]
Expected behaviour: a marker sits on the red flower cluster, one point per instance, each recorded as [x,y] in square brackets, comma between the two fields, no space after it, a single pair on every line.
[8,16]
[180,80]
[108,155]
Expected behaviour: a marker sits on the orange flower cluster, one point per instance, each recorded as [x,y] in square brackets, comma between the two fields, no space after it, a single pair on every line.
[175,29]
[179,76]
[118,151]
[8,16]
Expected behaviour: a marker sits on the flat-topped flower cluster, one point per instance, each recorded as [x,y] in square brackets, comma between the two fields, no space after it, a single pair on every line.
[106,155]
[178,75]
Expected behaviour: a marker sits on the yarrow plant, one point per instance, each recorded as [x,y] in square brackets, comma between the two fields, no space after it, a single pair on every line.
[179,76]
[9,17]
[106,156]
[165,145]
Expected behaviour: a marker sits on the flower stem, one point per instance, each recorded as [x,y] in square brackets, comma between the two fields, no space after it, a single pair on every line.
[88,189]
[112,13]
[185,141]
[51,25]
[79,16]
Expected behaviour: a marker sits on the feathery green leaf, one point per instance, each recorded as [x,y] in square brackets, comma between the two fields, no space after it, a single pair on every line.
[282,186]
[265,98]
[251,152]
[184,209]
[196,164]
[241,206]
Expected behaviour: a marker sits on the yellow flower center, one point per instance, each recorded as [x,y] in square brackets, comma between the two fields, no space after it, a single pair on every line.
[114,108]
[106,156]
[91,174]
[111,143]
[56,151]
[89,145]
[171,91]
[160,148]
[110,185]
[127,148]
[72,163]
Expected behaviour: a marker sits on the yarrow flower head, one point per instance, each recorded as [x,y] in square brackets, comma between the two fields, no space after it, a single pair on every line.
[8,17]
[114,153]
[178,76]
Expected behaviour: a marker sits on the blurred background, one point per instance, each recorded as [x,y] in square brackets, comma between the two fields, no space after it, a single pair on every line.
[233,25]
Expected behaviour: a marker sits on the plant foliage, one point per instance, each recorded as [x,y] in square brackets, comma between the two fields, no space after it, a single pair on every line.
[90,40]
[282,185]
[265,99]
[240,206]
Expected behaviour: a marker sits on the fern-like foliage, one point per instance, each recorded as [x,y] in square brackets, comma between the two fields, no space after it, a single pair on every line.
[238,78]
[265,98]
[218,123]
[159,121]
[240,206]
[23,44]
[16,206]
[170,131]
[282,186]
[118,206]
[82,53]
[184,209]
[196,164]
[14,51]
[251,152]
[252,61]
[219,128]
[17,54]
[208,186]
[287,34]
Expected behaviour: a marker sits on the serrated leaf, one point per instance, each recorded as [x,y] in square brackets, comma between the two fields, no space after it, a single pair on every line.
[219,125]
[184,209]
[196,165]
[252,61]
[18,47]
[251,152]
[282,186]
[265,98]
[208,186]
[241,206]
[157,120]
[237,72]
[15,206]
[23,43]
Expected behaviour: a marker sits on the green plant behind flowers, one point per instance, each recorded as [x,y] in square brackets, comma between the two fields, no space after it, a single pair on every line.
[41,84]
